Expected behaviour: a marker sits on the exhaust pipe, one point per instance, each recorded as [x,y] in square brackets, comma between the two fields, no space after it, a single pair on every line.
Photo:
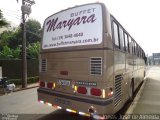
[92,111]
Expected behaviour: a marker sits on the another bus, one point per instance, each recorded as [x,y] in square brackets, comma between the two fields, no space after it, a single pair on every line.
[89,63]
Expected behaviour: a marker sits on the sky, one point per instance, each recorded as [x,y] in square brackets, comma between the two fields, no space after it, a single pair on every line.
[141,18]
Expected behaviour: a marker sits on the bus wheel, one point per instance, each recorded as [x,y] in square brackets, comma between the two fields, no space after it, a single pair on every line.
[131,89]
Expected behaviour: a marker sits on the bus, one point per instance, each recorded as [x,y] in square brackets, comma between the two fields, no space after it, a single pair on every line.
[89,63]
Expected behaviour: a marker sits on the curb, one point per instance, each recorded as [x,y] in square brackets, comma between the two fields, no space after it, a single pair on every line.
[20,89]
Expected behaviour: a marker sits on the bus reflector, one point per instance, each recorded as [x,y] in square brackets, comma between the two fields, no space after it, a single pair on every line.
[49,85]
[110,93]
[96,92]
[49,104]
[82,90]
[41,101]
[41,84]
[58,107]
[69,110]
[82,113]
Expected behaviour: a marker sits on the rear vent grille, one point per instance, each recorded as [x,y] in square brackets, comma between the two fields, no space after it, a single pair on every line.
[96,66]
[118,92]
[43,65]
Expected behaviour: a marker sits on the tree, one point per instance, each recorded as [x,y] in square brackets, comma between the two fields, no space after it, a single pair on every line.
[3,22]
[12,38]
[6,53]
[33,50]
[33,28]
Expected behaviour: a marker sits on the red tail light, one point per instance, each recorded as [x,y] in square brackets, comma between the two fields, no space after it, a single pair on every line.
[49,85]
[96,92]
[82,90]
[41,84]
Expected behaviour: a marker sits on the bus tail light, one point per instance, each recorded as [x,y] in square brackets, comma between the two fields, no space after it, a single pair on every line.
[49,85]
[41,83]
[103,93]
[82,90]
[96,92]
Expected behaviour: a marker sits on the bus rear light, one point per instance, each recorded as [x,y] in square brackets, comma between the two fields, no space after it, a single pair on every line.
[103,93]
[96,92]
[54,85]
[82,90]
[41,83]
[75,89]
[49,85]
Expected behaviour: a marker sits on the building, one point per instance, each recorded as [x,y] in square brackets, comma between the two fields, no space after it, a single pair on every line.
[156,58]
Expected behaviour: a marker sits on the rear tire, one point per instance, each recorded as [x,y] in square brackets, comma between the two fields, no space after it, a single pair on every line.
[131,91]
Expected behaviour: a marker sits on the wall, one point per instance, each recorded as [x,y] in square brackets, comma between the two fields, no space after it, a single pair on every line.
[12,69]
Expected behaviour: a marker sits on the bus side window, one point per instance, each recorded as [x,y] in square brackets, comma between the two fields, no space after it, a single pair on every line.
[126,42]
[116,37]
[121,35]
[130,45]
[135,48]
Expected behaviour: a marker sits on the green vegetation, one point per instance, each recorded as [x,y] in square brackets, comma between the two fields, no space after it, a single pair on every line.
[29,80]
[11,41]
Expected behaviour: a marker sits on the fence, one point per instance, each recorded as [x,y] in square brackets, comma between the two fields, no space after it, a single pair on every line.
[12,69]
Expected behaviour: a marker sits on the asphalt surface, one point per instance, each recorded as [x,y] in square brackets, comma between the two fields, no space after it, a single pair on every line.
[23,105]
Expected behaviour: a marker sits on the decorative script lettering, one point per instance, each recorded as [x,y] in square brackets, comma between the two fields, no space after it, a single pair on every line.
[55,24]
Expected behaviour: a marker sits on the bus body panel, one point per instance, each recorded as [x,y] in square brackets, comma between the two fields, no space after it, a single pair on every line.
[71,75]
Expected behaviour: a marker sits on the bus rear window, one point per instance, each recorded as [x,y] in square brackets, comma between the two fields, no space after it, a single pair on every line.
[73,27]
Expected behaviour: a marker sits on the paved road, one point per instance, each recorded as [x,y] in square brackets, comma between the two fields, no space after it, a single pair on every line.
[149,102]
[24,103]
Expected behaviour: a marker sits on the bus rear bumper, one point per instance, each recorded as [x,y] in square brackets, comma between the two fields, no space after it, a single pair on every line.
[76,103]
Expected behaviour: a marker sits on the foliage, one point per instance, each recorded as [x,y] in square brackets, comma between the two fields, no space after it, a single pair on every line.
[6,53]
[16,53]
[29,80]
[33,50]
[33,28]
[11,41]
[13,38]
[3,22]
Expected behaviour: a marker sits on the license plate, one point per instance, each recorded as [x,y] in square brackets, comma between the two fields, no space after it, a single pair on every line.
[64,83]
[61,101]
